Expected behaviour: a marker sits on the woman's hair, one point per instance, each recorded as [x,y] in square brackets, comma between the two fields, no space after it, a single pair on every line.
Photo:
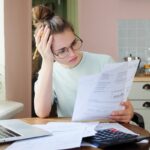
[43,15]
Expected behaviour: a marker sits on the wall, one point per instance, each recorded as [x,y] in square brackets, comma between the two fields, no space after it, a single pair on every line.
[98,21]
[18,52]
[2,53]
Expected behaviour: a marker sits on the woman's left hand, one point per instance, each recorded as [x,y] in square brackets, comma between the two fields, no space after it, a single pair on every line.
[123,115]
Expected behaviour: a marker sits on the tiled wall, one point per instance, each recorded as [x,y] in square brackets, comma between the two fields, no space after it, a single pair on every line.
[134,38]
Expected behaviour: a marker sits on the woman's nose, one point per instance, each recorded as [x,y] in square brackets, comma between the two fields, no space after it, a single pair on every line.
[71,52]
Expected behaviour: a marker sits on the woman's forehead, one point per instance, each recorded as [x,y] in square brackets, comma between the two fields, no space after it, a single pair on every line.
[63,39]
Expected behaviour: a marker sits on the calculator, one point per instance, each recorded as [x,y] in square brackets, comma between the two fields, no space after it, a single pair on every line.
[111,136]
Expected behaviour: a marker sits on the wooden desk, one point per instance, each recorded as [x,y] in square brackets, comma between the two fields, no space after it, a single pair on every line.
[137,146]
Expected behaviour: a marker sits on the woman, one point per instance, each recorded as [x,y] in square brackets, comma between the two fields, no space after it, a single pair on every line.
[56,41]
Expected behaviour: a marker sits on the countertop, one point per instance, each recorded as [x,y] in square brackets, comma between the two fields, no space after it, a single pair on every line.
[142,78]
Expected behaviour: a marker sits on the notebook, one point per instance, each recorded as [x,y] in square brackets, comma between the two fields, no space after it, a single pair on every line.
[15,129]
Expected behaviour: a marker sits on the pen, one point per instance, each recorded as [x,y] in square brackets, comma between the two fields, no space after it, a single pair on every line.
[36,50]
[35,54]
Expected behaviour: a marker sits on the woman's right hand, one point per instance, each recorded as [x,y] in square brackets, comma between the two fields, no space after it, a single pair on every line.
[43,41]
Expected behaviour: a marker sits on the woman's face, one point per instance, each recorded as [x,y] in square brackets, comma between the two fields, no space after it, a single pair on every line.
[64,42]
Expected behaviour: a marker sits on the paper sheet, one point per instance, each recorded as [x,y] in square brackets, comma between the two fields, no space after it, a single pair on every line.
[98,95]
[66,135]
[63,140]
[89,127]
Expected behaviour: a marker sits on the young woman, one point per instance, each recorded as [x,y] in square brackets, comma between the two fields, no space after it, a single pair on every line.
[63,63]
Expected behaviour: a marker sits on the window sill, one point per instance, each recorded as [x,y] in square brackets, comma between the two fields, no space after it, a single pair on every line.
[8,109]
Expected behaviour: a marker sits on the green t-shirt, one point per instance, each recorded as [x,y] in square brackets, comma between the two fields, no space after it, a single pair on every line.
[65,80]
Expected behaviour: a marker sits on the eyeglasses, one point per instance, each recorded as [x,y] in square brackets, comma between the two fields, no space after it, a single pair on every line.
[64,52]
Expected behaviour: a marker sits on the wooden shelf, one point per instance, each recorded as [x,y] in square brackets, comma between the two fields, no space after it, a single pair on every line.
[142,78]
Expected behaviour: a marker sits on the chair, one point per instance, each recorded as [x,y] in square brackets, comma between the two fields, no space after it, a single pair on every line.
[139,120]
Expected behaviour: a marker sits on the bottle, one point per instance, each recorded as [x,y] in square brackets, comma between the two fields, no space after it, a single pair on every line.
[147,65]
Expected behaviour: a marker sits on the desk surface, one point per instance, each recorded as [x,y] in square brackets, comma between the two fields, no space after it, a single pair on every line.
[137,146]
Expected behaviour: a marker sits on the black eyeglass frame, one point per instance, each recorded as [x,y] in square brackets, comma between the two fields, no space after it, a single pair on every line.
[55,55]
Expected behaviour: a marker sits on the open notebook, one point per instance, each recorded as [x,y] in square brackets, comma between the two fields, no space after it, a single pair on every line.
[14,129]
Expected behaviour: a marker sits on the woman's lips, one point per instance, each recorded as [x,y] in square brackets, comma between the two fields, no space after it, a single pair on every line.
[73,59]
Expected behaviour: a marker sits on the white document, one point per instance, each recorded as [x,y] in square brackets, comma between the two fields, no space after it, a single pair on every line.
[61,140]
[66,135]
[98,95]
[60,127]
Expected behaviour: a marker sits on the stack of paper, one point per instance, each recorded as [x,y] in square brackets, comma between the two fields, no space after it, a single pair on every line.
[66,135]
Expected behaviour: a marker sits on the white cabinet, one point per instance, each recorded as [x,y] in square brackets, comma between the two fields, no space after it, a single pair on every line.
[140,97]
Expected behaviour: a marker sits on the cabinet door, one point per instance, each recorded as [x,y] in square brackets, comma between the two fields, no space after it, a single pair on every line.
[140,96]
[144,111]
[138,92]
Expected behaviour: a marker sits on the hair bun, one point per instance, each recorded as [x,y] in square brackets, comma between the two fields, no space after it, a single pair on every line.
[41,14]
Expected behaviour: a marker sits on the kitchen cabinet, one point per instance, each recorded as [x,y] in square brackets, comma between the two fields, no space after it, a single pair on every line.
[140,97]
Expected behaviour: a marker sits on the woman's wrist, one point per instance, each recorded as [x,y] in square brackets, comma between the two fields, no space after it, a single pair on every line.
[47,61]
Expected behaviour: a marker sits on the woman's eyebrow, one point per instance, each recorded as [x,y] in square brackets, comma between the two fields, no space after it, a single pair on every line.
[65,47]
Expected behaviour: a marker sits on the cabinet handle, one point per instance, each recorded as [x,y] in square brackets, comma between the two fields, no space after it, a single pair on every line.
[146,104]
[146,86]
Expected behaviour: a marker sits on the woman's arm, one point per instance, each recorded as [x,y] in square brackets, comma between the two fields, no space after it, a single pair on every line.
[43,87]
